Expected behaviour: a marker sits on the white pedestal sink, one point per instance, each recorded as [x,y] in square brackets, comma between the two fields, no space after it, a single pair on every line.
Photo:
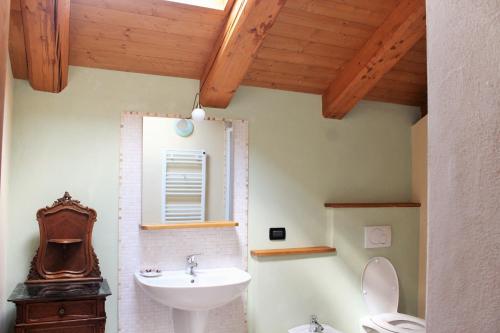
[193,296]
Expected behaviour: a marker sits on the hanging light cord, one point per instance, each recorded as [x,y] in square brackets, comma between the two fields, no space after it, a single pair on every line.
[196,97]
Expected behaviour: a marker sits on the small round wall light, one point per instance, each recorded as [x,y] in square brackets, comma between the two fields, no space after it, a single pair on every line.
[184,127]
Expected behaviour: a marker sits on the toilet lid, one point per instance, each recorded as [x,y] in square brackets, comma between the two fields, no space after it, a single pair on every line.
[380,286]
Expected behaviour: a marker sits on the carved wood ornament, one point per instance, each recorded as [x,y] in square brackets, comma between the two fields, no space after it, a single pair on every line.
[65,252]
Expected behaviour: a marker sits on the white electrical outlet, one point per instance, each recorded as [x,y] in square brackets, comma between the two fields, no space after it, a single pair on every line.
[377,236]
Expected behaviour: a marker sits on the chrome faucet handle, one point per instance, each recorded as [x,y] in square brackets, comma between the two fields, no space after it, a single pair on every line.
[191,259]
[315,326]
[191,263]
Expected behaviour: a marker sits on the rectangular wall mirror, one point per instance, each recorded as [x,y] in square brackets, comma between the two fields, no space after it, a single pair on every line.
[187,171]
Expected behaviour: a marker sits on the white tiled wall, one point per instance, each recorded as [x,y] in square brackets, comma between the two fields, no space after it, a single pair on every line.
[167,249]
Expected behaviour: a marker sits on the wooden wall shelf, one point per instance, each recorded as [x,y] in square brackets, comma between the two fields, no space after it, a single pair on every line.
[65,240]
[293,251]
[371,205]
[207,224]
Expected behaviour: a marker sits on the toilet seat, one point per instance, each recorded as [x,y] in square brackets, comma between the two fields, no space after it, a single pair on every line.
[380,287]
[405,323]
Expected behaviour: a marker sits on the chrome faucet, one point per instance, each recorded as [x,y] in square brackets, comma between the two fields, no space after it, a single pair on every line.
[315,326]
[191,263]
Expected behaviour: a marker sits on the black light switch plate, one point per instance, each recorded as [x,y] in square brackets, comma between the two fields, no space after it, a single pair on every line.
[277,233]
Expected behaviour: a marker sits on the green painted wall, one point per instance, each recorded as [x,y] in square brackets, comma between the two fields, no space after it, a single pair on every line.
[298,160]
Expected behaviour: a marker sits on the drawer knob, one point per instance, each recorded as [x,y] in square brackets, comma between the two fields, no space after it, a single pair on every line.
[61,311]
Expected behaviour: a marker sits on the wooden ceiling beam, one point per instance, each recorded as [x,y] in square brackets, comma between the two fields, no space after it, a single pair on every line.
[46,37]
[402,29]
[17,50]
[246,28]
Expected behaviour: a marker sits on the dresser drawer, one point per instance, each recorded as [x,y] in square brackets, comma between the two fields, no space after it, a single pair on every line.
[82,328]
[59,311]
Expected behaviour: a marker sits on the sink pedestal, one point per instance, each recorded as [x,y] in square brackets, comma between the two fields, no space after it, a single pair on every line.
[189,321]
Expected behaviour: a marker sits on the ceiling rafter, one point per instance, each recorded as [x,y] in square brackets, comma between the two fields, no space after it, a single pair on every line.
[402,29]
[236,47]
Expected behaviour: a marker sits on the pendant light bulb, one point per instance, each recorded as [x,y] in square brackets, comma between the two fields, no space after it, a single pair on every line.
[198,113]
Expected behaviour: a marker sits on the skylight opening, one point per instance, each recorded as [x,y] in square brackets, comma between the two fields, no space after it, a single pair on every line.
[212,4]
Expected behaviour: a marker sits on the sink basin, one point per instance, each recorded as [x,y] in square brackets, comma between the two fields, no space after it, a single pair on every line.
[192,296]
[208,289]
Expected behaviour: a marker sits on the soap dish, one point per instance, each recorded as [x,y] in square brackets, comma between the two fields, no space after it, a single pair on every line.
[150,272]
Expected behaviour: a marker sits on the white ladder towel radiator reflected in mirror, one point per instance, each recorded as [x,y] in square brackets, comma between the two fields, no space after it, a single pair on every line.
[184,185]
[228,206]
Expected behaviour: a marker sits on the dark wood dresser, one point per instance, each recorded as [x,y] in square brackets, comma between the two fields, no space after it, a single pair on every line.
[64,291]
[61,308]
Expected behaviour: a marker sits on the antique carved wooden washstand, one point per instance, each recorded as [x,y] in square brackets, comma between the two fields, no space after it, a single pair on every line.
[64,291]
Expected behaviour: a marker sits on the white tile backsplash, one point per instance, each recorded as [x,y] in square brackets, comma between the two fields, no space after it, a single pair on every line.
[167,249]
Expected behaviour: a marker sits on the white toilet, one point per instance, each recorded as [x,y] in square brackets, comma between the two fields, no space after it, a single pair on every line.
[381,294]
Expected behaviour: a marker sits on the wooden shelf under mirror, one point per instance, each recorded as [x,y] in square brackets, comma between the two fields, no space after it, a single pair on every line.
[194,225]
[371,205]
[293,251]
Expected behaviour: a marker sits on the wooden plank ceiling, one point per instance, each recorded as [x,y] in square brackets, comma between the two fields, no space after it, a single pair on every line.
[304,50]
